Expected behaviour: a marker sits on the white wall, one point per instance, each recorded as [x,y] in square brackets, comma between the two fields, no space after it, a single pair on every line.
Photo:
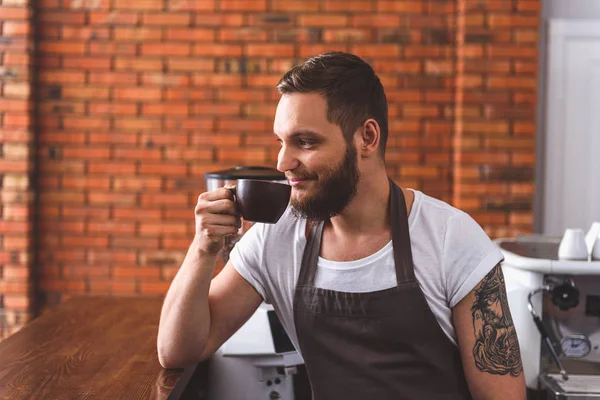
[566,9]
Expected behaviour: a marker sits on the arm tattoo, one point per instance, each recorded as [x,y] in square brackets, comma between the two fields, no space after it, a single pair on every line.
[496,347]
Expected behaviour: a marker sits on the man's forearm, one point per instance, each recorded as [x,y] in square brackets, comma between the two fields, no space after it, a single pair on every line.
[185,317]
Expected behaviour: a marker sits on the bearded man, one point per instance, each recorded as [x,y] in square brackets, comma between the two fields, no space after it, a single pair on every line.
[386,292]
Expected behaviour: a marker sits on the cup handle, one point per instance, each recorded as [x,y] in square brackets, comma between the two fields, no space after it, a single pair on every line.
[232,190]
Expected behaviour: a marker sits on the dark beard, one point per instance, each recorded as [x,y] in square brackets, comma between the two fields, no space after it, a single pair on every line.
[335,191]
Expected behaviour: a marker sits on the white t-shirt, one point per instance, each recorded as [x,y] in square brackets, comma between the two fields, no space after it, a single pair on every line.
[451,254]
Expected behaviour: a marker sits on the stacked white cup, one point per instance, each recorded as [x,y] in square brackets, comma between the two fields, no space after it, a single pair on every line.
[573,246]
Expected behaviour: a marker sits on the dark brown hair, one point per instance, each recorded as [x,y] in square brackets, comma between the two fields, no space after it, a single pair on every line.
[350,86]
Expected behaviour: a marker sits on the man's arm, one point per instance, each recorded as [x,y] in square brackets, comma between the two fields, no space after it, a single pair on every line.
[198,313]
[488,341]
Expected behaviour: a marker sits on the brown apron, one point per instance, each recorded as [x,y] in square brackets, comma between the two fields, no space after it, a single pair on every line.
[380,345]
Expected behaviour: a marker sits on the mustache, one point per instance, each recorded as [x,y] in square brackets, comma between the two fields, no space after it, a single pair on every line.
[301,176]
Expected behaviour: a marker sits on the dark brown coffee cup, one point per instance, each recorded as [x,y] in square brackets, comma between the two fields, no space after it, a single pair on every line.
[261,201]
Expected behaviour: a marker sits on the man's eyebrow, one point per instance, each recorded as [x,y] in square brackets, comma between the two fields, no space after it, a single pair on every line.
[302,132]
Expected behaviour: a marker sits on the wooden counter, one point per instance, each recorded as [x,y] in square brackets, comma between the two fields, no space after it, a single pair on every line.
[90,348]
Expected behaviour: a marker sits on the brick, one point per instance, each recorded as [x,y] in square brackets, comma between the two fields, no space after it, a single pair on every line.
[106,78]
[15,13]
[242,34]
[61,17]
[216,80]
[86,63]
[188,154]
[113,18]
[191,5]
[416,7]
[526,36]
[377,50]
[265,50]
[163,228]
[136,124]
[85,182]
[513,21]
[138,64]
[137,93]
[61,47]
[138,183]
[78,122]
[190,34]
[524,128]
[243,5]
[126,33]
[11,59]
[148,168]
[16,28]
[61,77]
[165,49]
[166,109]
[164,80]
[499,127]
[217,50]
[523,67]
[87,4]
[219,20]
[154,287]
[348,6]
[113,108]
[100,167]
[110,48]
[87,93]
[512,52]
[143,5]
[134,242]
[191,65]
[245,155]
[136,272]
[100,153]
[295,5]
[136,213]
[346,35]
[529,6]
[111,227]
[188,94]
[419,111]
[329,20]
[96,198]
[379,20]
[166,19]
[511,82]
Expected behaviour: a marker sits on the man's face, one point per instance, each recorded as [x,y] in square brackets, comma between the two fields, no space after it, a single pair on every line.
[319,164]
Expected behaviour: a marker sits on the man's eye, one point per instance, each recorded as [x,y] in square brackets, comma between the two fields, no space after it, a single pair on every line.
[302,142]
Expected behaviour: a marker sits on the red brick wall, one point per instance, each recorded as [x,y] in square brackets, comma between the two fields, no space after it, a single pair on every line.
[137,100]
[16,165]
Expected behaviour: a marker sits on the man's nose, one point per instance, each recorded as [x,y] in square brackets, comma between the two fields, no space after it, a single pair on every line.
[286,161]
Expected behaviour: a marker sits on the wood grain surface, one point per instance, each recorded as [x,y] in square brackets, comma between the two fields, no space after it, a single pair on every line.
[89,348]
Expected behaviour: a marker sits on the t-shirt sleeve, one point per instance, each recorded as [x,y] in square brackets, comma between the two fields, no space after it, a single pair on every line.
[469,254]
[247,257]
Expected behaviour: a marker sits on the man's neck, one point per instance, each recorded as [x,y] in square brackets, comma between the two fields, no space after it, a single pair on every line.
[367,213]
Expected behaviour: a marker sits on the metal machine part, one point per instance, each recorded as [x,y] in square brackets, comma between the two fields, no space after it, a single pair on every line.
[544,332]
[258,362]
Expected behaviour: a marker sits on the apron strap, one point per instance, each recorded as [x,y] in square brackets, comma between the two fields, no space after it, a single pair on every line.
[405,272]
[308,268]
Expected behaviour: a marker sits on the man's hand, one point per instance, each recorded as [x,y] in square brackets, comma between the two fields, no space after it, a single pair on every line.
[216,217]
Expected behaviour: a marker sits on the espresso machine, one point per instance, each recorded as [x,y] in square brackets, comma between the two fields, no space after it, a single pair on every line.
[555,305]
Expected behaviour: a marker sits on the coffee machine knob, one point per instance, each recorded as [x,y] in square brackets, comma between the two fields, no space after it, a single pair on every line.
[565,296]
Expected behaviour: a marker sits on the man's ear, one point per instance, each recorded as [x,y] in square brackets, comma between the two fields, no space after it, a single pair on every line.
[370,135]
